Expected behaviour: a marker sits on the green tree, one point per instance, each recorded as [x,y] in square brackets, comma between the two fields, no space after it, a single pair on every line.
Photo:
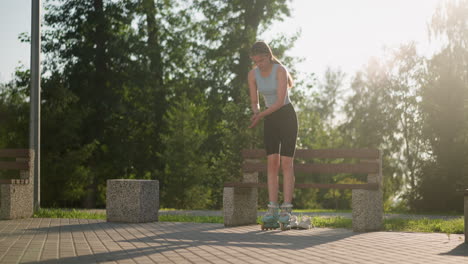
[371,120]
[114,68]
[86,53]
[186,165]
[407,71]
[444,100]
[14,112]
[229,28]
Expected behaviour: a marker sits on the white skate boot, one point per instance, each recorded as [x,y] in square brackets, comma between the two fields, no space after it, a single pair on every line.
[286,219]
[305,223]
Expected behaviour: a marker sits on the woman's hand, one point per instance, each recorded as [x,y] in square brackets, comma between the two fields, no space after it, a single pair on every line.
[255,119]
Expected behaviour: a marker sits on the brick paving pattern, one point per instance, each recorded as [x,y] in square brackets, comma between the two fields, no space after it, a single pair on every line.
[44,240]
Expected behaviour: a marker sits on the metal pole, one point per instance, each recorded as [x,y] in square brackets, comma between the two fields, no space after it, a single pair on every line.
[35,98]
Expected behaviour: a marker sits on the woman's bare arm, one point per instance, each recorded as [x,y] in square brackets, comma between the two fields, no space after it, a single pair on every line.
[253,92]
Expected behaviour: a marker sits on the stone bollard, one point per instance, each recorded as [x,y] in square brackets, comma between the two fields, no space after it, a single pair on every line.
[132,201]
[367,208]
[17,200]
[466,215]
[367,205]
[240,204]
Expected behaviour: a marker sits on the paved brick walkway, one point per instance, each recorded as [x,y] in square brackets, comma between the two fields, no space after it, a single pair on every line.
[96,241]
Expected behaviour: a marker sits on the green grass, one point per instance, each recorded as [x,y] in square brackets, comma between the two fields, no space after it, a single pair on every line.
[83,214]
[333,222]
[191,218]
[330,222]
[387,212]
[450,226]
[67,213]
[316,211]
[424,213]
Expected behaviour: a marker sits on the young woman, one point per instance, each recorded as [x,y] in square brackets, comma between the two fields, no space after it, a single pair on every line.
[273,81]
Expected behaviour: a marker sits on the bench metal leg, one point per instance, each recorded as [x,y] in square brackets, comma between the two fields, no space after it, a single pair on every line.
[367,208]
[239,206]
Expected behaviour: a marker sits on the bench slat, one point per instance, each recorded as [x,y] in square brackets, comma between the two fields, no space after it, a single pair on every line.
[320,153]
[366,186]
[14,153]
[14,165]
[364,167]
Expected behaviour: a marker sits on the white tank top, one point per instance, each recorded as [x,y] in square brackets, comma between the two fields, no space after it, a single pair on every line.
[268,86]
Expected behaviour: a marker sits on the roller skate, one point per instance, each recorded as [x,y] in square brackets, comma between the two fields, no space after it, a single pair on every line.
[286,220]
[305,223]
[293,222]
[270,219]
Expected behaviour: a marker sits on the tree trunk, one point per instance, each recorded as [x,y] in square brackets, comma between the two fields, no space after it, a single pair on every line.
[154,49]
[253,14]
[155,84]
[104,94]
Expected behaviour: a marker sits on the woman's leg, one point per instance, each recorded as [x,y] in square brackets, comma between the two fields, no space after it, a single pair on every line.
[288,137]
[273,170]
[288,178]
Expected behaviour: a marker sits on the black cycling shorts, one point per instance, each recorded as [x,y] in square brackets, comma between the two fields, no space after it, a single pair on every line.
[280,131]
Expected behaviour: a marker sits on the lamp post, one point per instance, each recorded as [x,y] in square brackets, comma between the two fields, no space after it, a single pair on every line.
[35,96]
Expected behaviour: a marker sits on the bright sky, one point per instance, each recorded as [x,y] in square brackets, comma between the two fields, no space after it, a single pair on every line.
[346,33]
[15,18]
[336,33]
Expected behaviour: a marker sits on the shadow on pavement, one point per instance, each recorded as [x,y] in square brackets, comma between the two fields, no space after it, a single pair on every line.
[460,250]
[161,237]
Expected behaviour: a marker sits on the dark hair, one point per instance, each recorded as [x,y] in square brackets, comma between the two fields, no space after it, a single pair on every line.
[262,48]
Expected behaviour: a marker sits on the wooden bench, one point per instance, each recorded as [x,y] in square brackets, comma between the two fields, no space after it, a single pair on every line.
[240,198]
[16,194]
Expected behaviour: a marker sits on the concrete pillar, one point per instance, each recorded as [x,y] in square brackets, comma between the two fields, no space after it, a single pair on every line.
[367,206]
[132,201]
[17,201]
[466,216]
[240,204]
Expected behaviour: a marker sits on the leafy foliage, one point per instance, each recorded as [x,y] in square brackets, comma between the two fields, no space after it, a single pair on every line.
[148,89]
